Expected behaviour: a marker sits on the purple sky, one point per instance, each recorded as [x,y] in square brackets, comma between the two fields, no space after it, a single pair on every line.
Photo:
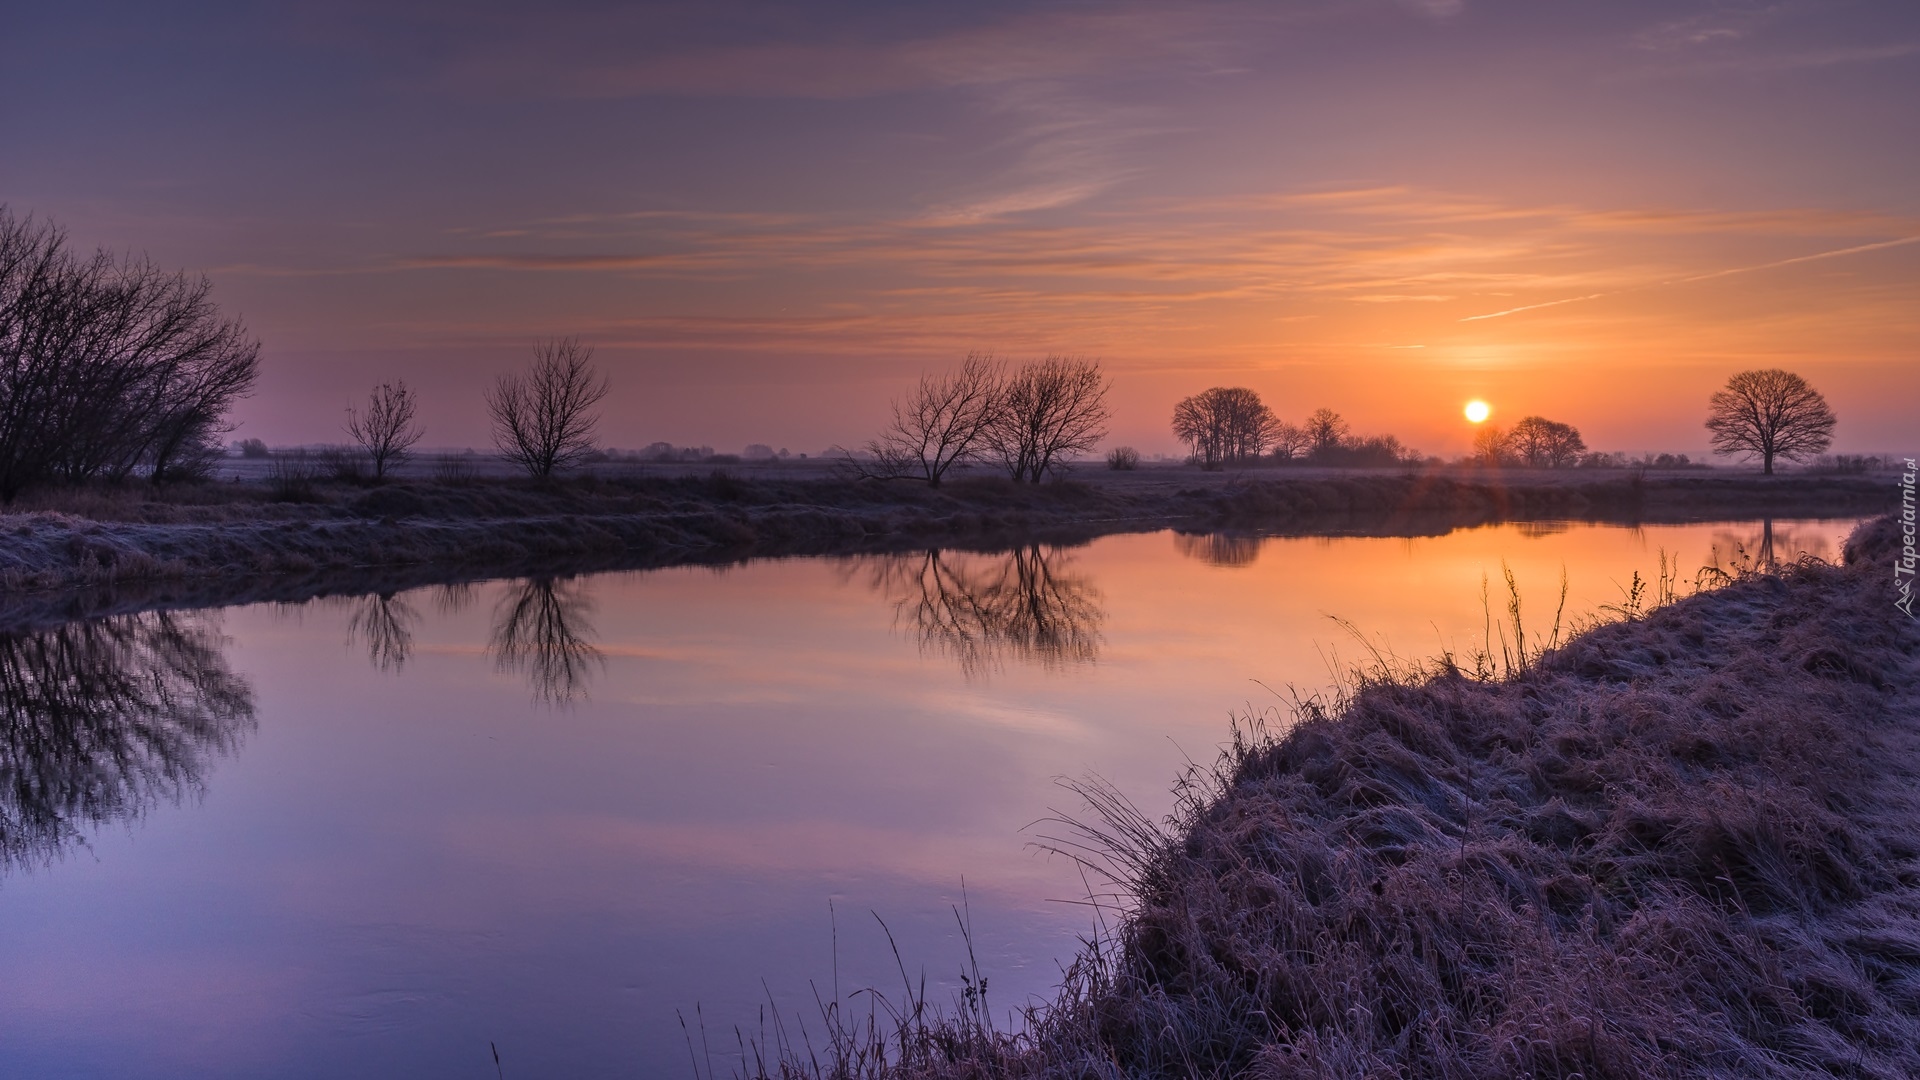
[769,219]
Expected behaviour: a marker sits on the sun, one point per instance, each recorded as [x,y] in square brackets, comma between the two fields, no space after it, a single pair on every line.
[1478,411]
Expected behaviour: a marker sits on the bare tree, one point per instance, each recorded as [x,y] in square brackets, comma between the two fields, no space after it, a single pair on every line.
[1490,446]
[1772,413]
[1544,444]
[1250,424]
[386,431]
[108,366]
[1290,441]
[1199,422]
[1049,409]
[543,420]
[1325,432]
[942,423]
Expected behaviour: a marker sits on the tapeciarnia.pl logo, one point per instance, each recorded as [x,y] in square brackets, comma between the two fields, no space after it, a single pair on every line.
[1903,565]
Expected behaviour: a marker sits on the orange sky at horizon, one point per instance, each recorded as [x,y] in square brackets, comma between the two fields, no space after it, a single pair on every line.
[768,225]
[1390,306]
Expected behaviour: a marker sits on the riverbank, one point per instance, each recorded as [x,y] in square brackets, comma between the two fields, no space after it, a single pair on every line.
[70,553]
[1681,845]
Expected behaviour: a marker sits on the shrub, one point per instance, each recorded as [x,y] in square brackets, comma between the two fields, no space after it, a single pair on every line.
[457,470]
[290,477]
[342,464]
[1123,459]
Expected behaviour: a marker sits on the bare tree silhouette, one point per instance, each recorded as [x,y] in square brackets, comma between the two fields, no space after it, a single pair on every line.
[1325,430]
[1202,427]
[1490,446]
[1049,410]
[1024,604]
[543,420]
[1290,441]
[102,720]
[109,366]
[1772,413]
[386,431]
[942,423]
[542,628]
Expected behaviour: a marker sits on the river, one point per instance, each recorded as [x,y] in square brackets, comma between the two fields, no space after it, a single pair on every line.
[599,823]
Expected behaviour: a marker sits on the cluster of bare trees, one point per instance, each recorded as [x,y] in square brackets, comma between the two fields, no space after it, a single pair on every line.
[1533,441]
[1226,424]
[110,367]
[1231,425]
[1029,420]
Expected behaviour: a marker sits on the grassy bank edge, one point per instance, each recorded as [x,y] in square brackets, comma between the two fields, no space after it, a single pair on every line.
[1685,844]
[90,552]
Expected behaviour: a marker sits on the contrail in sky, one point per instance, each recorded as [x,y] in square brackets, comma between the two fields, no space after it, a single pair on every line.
[1703,277]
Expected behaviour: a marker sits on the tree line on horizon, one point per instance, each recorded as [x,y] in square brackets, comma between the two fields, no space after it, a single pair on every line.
[111,368]
[1768,413]
[1229,425]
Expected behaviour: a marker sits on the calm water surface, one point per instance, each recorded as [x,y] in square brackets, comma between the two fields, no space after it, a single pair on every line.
[369,837]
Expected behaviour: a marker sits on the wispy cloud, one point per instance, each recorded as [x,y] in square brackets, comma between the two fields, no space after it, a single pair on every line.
[1318,270]
[1760,38]
[1722,23]
[1775,264]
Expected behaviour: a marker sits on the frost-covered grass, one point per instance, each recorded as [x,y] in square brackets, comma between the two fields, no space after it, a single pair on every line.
[1686,844]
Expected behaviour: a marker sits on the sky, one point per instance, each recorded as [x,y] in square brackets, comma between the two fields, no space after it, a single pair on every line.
[769,219]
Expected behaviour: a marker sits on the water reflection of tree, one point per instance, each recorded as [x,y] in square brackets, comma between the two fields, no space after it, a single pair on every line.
[1218,549]
[541,628]
[101,720]
[385,622]
[981,610]
[1768,545]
